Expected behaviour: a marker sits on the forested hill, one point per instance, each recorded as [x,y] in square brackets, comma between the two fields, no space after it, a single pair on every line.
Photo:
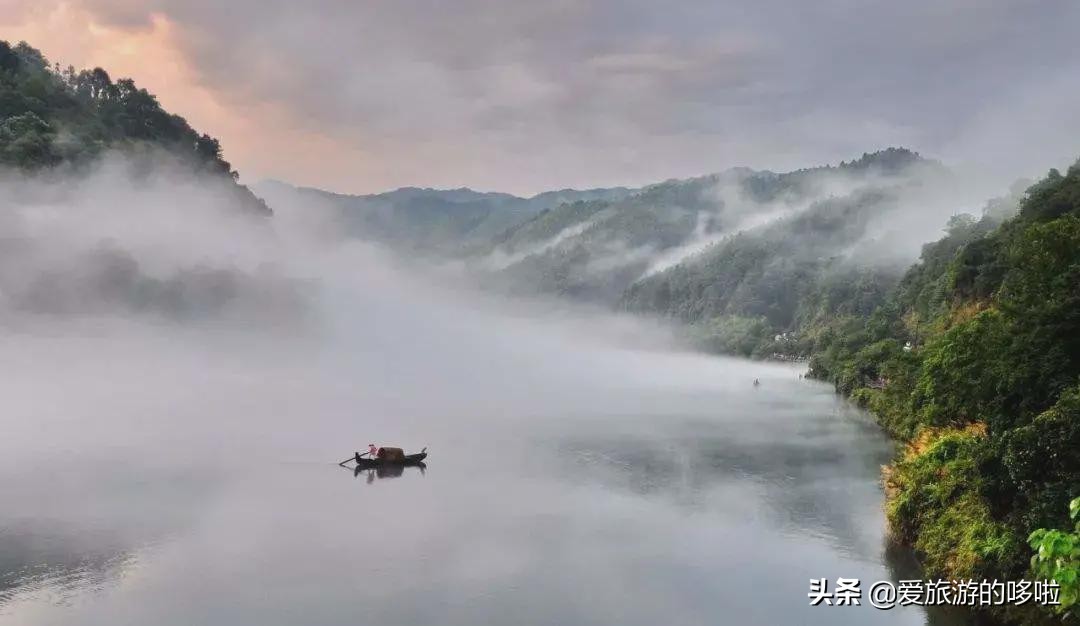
[974,358]
[596,250]
[774,289]
[51,117]
[441,222]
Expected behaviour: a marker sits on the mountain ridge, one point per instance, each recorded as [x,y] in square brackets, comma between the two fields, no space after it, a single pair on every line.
[597,250]
[426,220]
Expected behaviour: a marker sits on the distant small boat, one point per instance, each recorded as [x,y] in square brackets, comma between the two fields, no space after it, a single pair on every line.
[387,457]
[408,459]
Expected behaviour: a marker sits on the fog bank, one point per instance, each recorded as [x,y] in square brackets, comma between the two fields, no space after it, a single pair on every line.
[144,315]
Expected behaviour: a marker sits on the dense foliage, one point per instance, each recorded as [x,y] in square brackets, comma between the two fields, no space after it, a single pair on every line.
[788,275]
[988,388]
[51,117]
[1057,557]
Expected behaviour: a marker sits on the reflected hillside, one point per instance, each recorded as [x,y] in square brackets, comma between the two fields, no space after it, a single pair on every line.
[791,470]
[371,474]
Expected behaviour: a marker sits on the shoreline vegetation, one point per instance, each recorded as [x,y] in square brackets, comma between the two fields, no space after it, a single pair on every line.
[972,362]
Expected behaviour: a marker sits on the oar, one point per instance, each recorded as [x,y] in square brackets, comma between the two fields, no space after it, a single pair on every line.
[355,457]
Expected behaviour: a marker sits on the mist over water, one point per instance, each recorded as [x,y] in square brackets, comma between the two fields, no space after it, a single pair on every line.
[175,409]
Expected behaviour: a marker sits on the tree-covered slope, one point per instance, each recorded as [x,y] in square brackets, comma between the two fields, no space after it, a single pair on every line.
[432,221]
[975,359]
[767,272]
[51,117]
[597,250]
[771,287]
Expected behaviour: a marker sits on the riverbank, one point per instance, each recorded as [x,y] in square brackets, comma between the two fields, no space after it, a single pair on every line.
[971,360]
[935,504]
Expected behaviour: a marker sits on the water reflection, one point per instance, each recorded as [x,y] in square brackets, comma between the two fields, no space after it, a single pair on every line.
[719,511]
[387,471]
[56,563]
[802,473]
[903,565]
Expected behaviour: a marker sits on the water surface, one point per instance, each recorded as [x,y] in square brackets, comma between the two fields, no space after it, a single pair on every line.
[199,486]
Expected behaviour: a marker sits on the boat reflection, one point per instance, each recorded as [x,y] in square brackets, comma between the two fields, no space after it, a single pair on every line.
[393,470]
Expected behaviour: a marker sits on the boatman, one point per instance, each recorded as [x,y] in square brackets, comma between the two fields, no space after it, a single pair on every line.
[372,450]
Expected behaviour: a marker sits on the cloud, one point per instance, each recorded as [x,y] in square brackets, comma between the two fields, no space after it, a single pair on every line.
[143,237]
[527,96]
[500,258]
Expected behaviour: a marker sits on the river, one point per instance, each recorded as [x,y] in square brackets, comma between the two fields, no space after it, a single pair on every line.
[162,475]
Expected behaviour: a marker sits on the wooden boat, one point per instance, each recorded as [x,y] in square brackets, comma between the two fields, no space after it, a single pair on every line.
[388,457]
[408,459]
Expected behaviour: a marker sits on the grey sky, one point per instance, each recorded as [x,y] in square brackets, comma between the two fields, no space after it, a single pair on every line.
[526,96]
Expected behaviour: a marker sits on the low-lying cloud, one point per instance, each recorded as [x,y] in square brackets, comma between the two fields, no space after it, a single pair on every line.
[130,237]
[156,273]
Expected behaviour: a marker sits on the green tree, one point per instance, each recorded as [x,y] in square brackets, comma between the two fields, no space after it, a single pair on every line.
[1057,557]
[961,371]
[50,116]
[26,141]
